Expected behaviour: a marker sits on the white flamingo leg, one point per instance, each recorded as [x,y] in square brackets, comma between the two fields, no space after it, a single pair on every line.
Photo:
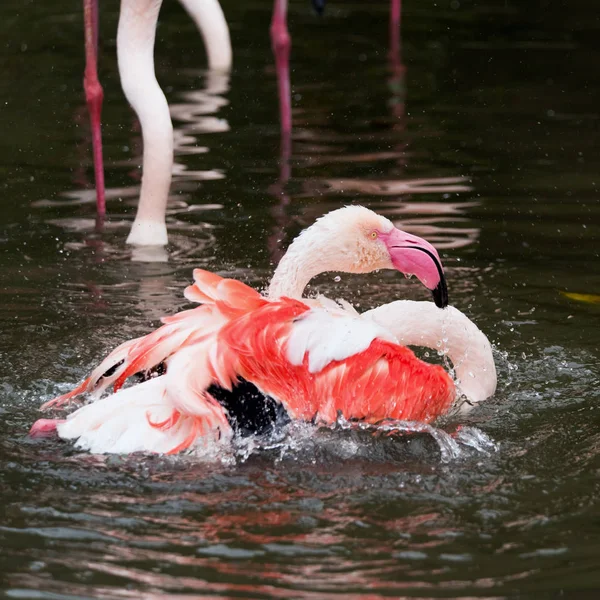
[210,20]
[135,51]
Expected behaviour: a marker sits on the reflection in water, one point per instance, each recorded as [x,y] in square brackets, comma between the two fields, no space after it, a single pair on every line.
[300,524]
[272,524]
[196,117]
[430,220]
[188,249]
[391,187]
[279,211]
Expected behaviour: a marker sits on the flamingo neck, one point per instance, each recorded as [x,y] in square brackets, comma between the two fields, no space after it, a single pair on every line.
[448,330]
[135,50]
[307,256]
[210,20]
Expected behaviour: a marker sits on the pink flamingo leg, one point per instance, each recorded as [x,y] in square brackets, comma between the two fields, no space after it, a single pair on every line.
[281,43]
[397,69]
[94,96]
[395,12]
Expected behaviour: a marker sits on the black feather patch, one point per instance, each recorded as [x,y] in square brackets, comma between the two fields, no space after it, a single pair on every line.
[249,411]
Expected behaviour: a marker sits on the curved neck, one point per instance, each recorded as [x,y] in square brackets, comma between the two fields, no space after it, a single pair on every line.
[307,256]
[449,330]
[210,20]
[293,273]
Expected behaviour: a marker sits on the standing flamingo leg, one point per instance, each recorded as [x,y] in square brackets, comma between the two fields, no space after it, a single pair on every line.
[94,96]
[281,43]
[395,12]
[135,52]
[397,69]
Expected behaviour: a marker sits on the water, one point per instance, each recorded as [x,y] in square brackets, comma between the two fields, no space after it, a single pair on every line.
[486,146]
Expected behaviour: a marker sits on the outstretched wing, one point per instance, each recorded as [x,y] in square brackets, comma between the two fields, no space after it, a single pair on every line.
[318,362]
[172,411]
[222,300]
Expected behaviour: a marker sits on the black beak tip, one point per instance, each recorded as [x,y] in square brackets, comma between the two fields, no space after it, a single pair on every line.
[440,293]
[319,6]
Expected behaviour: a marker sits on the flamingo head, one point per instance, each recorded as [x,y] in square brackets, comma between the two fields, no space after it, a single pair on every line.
[365,241]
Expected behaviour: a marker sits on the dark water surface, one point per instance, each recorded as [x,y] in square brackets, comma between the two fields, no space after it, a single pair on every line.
[485,141]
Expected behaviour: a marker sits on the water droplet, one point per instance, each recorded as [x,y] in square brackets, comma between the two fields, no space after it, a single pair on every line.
[337,278]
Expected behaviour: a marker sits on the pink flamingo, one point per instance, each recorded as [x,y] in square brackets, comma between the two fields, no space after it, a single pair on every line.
[207,367]
[135,50]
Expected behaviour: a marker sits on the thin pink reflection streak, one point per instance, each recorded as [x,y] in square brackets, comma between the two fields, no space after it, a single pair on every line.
[440,185]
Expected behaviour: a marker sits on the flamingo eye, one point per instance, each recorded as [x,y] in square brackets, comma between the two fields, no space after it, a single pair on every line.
[374,235]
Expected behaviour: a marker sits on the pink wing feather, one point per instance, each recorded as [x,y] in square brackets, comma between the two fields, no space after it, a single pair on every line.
[238,333]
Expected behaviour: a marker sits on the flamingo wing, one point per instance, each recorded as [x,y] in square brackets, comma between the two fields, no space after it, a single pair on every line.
[320,363]
[222,300]
[171,409]
[316,361]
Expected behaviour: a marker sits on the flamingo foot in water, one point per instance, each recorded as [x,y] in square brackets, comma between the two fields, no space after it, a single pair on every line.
[45,427]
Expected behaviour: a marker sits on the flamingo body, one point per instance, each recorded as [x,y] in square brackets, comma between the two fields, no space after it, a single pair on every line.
[278,345]
[319,364]
[205,369]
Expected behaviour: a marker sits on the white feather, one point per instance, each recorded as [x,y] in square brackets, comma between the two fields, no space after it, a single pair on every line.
[331,336]
[120,423]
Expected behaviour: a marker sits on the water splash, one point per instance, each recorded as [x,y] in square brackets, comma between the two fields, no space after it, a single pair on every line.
[452,446]
[301,440]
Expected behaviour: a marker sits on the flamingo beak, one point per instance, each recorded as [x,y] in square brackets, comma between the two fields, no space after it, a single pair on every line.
[319,6]
[413,255]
